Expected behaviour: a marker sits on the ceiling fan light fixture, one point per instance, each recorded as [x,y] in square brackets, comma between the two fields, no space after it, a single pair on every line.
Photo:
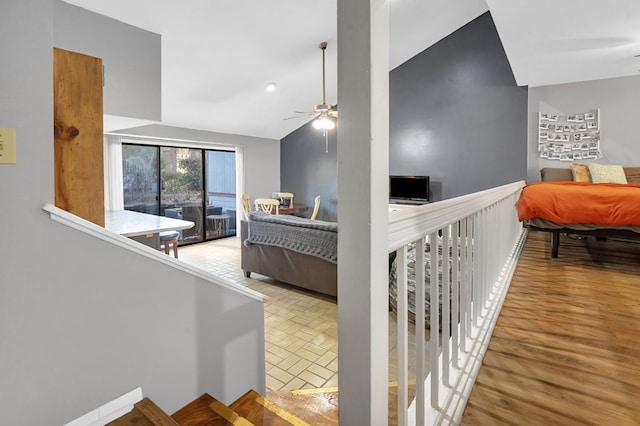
[271,87]
[324,123]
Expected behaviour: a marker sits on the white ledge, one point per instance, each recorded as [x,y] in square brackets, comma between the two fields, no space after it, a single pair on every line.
[61,216]
[406,225]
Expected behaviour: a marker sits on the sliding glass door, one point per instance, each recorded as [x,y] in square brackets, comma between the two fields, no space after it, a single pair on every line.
[140,178]
[182,189]
[220,172]
[171,181]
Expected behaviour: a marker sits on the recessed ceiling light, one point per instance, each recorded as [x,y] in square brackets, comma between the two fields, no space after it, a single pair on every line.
[271,87]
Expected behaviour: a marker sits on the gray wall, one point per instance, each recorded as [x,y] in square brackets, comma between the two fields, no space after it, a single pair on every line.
[131,58]
[307,170]
[456,115]
[83,321]
[619,104]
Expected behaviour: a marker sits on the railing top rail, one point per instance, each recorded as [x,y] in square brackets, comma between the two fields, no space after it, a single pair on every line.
[406,224]
[73,221]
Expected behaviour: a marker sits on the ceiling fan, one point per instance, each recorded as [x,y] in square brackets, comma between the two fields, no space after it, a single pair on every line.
[324,112]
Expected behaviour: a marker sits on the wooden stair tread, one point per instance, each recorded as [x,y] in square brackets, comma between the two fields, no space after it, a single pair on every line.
[145,413]
[199,413]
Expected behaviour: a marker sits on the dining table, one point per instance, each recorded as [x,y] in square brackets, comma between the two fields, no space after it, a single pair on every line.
[293,209]
[142,227]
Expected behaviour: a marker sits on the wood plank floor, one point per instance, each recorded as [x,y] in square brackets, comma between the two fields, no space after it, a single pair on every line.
[566,348]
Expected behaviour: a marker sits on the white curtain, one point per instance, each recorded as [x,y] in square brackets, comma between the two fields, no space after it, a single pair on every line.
[113,191]
[239,186]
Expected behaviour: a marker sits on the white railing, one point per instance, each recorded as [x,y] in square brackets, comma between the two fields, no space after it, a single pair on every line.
[480,238]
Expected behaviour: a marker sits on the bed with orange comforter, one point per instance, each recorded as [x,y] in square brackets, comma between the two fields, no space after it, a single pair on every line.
[601,209]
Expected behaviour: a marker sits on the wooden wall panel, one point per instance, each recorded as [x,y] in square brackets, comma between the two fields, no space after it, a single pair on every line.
[78,135]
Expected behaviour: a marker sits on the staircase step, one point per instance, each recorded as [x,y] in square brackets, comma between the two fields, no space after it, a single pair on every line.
[261,411]
[199,413]
[145,413]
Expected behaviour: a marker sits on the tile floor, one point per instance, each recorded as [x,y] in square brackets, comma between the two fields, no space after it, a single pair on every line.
[301,328]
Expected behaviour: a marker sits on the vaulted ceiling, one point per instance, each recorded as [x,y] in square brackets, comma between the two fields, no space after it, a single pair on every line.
[219,55]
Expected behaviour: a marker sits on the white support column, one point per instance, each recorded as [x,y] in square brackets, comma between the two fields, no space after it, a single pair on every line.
[363,173]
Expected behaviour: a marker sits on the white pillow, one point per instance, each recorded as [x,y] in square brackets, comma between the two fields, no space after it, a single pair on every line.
[606,173]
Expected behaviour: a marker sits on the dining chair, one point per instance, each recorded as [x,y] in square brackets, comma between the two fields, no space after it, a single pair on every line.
[267,205]
[285,196]
[246,206]
[316,207]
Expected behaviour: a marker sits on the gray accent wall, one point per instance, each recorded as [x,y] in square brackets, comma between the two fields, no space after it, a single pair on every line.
[307,170]
[456,115]
[619,104]
[131,57]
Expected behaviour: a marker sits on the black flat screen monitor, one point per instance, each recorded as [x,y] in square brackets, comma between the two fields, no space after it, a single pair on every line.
[409,189]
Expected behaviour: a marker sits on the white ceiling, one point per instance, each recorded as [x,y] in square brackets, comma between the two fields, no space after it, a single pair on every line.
[218,55]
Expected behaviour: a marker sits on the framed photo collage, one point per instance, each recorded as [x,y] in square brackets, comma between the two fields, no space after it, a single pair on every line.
[569,137]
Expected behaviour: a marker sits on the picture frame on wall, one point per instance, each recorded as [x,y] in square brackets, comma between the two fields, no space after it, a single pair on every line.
[569,137]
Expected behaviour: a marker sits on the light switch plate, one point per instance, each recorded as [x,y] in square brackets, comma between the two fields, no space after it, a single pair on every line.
[7,145]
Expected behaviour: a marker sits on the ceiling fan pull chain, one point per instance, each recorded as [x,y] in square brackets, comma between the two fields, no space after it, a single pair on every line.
[326,140]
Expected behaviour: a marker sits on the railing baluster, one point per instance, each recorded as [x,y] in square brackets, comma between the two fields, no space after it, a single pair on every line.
[465,285]
[434,307]
[455,306]
[446,306]
[470,283]
[402,318]
[475,264]
[421,373]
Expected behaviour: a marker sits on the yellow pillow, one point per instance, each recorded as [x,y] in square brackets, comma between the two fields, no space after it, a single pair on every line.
[580,172]
[602,173]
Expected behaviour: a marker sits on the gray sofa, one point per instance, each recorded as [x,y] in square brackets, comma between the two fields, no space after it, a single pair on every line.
[314,270]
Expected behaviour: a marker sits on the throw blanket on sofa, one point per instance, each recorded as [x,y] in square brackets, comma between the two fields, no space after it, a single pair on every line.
[302,235]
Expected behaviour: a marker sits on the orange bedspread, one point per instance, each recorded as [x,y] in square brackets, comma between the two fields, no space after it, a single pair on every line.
[578,202]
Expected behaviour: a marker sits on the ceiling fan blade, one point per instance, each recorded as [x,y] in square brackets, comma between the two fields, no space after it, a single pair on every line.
[333,113]
[306,112]
[299,116]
